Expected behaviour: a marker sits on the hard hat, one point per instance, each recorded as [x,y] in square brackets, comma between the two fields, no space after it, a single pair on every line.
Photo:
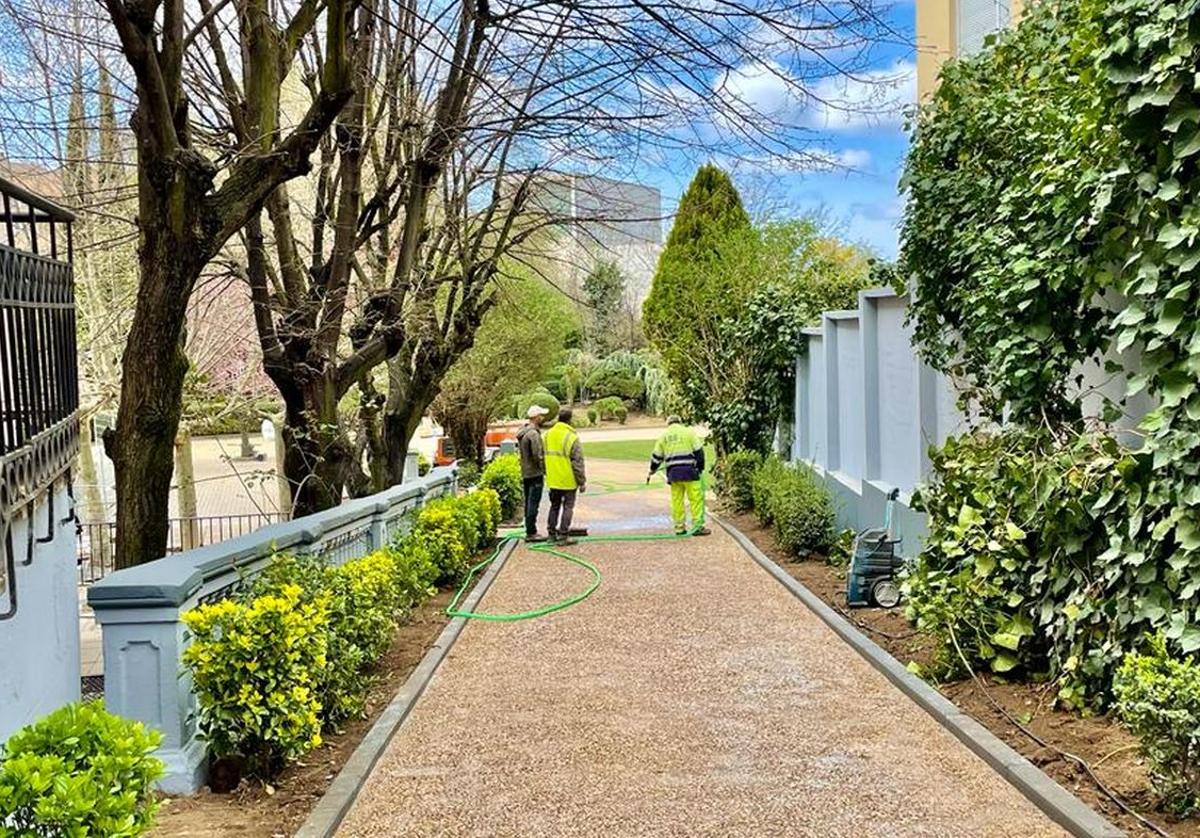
[536,410]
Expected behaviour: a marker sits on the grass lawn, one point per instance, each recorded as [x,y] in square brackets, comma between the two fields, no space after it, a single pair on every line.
[635,450]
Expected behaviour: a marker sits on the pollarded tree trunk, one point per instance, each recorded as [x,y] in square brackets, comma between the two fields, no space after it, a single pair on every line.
[409,396]
[142,446]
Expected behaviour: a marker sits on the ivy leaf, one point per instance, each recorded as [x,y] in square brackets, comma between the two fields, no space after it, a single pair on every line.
[985,563]
[1006,640]
[1172,315]
[1189,641]
[969,516]
[1187,143]
[1003,662]
[1013,532]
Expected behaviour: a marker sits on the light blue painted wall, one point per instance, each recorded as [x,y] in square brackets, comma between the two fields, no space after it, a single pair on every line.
[851,424]
[39,646]
[899,415]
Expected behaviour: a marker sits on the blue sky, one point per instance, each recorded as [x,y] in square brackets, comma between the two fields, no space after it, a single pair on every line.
[859,198]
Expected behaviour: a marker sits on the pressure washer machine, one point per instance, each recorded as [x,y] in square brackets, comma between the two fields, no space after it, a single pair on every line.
[873,564]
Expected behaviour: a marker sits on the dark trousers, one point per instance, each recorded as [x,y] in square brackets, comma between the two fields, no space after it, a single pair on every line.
[561,501]
[533,499]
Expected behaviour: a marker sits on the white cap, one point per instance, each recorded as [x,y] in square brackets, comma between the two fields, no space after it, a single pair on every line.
[536,410]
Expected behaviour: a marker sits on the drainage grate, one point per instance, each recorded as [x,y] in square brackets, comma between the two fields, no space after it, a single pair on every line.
[91,686]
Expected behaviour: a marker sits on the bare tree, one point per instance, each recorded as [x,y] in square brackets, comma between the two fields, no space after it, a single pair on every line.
[185,217]
[450,163]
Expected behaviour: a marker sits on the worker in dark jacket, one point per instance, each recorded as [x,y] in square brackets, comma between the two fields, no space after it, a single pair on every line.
[681,450]
[533,467]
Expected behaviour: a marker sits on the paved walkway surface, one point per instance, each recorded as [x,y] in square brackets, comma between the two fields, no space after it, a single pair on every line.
[690,695]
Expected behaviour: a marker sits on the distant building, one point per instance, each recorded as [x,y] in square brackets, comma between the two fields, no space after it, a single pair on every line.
[601,219]
[949,28]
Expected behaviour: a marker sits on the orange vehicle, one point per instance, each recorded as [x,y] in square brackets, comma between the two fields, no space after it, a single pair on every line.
[496,434]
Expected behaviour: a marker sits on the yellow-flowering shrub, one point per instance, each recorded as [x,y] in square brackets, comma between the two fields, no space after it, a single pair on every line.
[256,668]
[437,531]
[487,506]
[294,651]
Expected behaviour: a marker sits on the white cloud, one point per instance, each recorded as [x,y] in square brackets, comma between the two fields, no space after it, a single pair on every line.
[876,98]
[763,87]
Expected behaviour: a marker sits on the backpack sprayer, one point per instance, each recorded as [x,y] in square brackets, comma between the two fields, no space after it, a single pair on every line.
[873,564]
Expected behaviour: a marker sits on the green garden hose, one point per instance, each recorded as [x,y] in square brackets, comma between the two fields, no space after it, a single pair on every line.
[453,610]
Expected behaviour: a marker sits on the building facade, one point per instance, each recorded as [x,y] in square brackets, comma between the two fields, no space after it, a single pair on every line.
[602,219]
[949,28]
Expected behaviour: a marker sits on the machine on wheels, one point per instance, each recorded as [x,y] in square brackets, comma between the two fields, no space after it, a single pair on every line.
[873,565]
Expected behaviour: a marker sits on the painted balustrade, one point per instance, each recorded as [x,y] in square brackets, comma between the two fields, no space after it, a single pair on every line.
[139,608]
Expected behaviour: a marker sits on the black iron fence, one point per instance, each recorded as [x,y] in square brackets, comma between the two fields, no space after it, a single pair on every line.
[96,543]
[39,381]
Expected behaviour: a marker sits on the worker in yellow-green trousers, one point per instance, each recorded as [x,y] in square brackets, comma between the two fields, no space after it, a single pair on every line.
[681,450]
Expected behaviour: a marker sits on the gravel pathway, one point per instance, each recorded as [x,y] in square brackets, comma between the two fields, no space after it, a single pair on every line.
[690,695]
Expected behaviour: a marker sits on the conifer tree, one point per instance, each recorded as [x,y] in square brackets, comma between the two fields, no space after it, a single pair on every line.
[683,294]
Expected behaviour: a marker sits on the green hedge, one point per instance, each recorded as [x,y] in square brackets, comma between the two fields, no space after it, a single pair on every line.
[735,474]
[503,476]
[293,654]
[79,771]
[793,500]
[1023,565]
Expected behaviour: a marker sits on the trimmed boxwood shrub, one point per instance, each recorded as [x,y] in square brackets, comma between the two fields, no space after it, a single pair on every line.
[735,474]
[792,499]
[79,771]
[503,476]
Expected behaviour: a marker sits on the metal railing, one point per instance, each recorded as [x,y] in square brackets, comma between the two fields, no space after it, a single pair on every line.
[39,382]
[96,542]
[39,376]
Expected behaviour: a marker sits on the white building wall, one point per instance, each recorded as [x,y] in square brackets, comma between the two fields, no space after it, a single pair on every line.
[39,644]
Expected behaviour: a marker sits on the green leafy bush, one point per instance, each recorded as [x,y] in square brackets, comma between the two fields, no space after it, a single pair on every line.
[543,398]
[593,416]
[1025,565]
[486,505]
[423,464]
[79,771]
[1158,697]
[610,407]
[802,511]
[791,498]
[468,473]
[616,384]
[503,476]
[766,477]
[256,670]
[735,475]
[437,531]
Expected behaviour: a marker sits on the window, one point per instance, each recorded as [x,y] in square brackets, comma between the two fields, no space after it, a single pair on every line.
[976,20]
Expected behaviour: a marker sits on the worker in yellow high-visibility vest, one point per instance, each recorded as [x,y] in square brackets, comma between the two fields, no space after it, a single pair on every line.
[681,450]
[565,475]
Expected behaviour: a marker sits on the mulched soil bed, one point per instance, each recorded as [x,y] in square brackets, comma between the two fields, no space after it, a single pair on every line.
[1099,740]
[256,811]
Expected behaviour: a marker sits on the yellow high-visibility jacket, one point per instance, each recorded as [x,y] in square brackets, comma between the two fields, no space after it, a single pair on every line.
[564,458]
[682,451]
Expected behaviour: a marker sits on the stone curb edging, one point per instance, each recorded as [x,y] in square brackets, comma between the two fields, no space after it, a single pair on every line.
[334,805]
[1052,799]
